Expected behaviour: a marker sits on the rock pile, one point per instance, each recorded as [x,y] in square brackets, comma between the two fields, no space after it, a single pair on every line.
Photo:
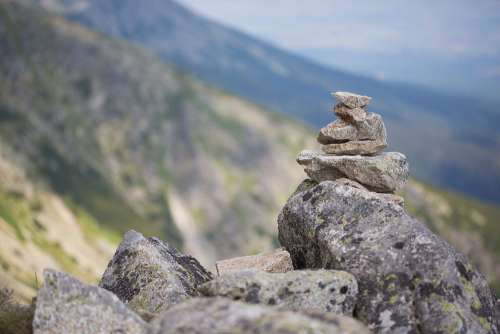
[352,146]
[410,280]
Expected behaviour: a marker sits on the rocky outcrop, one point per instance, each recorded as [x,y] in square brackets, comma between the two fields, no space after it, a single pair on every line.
[348,218]
[221,315]
[409,279]
[277,261]
[65,305]
[149,275]
[385,172]
[303,290]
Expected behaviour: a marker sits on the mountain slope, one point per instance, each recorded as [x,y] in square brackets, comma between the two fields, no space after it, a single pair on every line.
[447,138]
[139,145]
[97,137]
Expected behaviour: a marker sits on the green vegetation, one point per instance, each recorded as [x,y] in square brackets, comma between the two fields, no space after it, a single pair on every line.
[16,212]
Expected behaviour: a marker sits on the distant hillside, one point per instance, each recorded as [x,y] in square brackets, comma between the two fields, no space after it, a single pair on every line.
[448,138]
[97,137]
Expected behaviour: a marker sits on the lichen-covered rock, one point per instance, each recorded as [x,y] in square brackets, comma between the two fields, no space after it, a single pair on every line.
[385,172]
[410,281]
[300,290]
[352,100]
[66,306]
[277,261]
[222,315]
[149,275]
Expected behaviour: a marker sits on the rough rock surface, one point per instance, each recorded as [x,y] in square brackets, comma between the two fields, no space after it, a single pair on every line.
[350,115]
[300,290]
[149,275]
[352,100]
[410,281]
[65,305]
[367,137]
[386,172]
[222,315]
[277,261]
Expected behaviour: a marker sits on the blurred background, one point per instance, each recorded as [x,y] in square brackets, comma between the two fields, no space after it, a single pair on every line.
[182,120]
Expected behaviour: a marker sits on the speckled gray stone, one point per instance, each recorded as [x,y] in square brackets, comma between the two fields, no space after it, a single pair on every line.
[222,315]
[65,305]
[299,290]
[352,100]
[410,280]
[385,172]
[149,275]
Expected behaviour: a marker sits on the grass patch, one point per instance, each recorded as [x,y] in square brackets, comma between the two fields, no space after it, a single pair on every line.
[16,212]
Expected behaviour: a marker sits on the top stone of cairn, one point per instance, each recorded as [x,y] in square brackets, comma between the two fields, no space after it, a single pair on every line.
[352,100]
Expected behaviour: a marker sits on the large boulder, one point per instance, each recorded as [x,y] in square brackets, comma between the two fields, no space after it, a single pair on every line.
[149,275]
[221,315]
[301,290]
[410,281]
[385,172]
[66,306]
[277,261]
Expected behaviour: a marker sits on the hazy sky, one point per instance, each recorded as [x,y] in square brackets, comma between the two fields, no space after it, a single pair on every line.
[380,37]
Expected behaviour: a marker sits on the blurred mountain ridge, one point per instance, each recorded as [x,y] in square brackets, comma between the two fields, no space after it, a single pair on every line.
[98,137]
[448,138]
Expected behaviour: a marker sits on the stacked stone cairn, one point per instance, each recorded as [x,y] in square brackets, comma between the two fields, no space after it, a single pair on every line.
[352,149]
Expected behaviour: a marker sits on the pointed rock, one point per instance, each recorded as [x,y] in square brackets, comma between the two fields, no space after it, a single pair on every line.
[410,280]
[386,172]
[277,261]
[222,315]
[304,290]
[149,275]
[66,305]
[352,100]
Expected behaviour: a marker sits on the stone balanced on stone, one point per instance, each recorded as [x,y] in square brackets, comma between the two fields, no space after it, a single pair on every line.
[352,147]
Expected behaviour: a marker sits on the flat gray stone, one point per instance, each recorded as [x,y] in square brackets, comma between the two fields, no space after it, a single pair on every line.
[277,261]
[149,275]
[67,306]
[222,315]
[385,172]
[368,136]
[410,280]
[352,100]
[299,290]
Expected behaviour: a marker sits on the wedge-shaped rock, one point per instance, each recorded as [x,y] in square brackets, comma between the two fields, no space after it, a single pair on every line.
[410,280]
[149,275]
[365,137]
[304,290]
[222,315]
[277,261]
[386,172]
[350,115]
[352,100]
[65,305]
